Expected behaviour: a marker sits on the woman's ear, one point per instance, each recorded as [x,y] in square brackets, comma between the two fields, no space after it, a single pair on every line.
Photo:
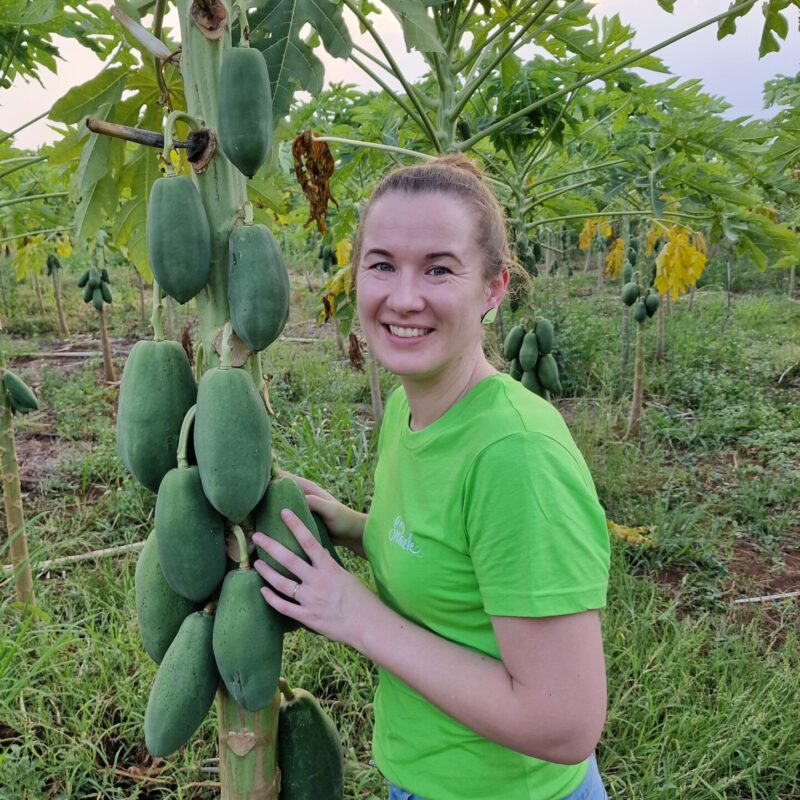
[497,287]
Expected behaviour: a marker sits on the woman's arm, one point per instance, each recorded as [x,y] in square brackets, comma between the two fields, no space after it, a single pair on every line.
[546,697]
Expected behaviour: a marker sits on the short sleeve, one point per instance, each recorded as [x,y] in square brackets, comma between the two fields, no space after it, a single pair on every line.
[536,532]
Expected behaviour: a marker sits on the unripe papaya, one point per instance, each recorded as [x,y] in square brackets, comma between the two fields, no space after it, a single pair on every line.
[651,303]
[309,750]
[545,335]
[537,251]
[95,278]
[190,535]
[547,372]
[515,369]
[529,352]
[83,279]
[248,640]
[178,237]
[20,397]
[88,293]
[104,276]
[283,493]
[160,610]
[245,109]
[627,272]
[232,442]
[184,688]
[513,342]
[97,298]
[157,390]
[325,537]
[640,312]
[531,382]
[630,293]
[106,292]
[258,286]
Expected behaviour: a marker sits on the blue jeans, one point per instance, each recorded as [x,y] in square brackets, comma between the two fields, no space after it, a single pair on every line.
[591,787]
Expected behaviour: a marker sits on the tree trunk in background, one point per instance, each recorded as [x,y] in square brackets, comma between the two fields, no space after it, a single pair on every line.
[38,290]
[601,272]
[169,321]
[626,335]
[638,386]
[791,281]
[108,364]
[660,325]
[62,321]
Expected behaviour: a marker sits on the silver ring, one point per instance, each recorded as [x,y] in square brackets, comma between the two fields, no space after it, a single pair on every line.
[294,592]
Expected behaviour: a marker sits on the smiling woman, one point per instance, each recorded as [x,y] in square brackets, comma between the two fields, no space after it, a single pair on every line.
[485,535]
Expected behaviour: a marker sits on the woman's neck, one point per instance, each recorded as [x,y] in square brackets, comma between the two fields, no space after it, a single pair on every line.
[429,400]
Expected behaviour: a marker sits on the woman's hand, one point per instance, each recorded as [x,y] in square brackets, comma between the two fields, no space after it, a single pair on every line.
[326,598]
[345,525]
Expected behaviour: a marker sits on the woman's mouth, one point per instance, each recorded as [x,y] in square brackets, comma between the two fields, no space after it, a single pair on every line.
[407,332]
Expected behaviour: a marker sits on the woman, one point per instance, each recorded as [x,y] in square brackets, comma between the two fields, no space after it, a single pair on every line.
[487,542]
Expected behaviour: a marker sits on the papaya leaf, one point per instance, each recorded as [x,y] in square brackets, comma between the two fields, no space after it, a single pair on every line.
[85,99]
[667,5]
[419,29]
[21,13]
[95,207]
[275,27]
[94,159]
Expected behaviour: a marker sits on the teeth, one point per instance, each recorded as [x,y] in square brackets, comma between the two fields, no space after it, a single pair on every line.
[408,333]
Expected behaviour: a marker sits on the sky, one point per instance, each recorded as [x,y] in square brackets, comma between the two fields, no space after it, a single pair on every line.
[729,68]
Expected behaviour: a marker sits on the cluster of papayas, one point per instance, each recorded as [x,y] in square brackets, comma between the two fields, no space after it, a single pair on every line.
[96,285]
[327,257]
[20,398]
[52,264]
[644,306]
[530,357]
[528,254]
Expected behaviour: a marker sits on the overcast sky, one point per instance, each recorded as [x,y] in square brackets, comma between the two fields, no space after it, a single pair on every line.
[730,68]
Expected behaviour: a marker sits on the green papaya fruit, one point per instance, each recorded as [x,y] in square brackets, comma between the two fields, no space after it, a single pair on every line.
[159,609]
[106,292]
[184,687]
[640,312]
[513,342]
[325,537]
[283,493]
[190,535]
[630,293]
[309,750]
[83,279]
[537,251]
[529,352]
[97,298]
[245,109]
[95,279]
[545,335]
[104,276]
[651,303]
[20,397]
[531,382]
[547,372]
[258,286]
[156,391]
[232,442]
[178,237]
[515,369]
[627,273]
[248,640]
[88,293]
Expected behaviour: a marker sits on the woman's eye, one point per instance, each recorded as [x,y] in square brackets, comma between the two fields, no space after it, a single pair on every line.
[381,266]
[438,272]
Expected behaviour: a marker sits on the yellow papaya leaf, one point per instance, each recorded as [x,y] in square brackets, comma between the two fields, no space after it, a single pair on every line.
[604,226]
[653,235]
[335,293]
[343,248]
[639,537]
[587,234]
[63,246]
[615,257]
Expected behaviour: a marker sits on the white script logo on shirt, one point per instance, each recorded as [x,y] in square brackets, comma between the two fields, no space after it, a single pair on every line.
[403,540]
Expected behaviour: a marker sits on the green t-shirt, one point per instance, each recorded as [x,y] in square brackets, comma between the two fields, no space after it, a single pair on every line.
[490,510]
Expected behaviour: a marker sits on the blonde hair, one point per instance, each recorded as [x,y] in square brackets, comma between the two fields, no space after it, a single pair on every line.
[456,175]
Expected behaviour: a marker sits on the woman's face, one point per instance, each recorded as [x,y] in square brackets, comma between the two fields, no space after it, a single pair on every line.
[421,290]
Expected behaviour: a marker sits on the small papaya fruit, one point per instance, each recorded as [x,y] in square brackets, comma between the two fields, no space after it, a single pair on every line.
[513,342]
[83,279]
[531,382]
[20,397]
[106,292]
[529,352]
[160,610]
[190,535]
[325,537]
[178,237]
[640,312]
[651,304]
[88,293]
[545,335]
[515,369]
[258,286]
[184,687]
[547,372]
[232,442]
[630,293]
[245,109]
[97,298]
[309,749]
[156,391]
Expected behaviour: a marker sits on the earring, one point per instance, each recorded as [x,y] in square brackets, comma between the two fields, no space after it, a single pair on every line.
[489,316]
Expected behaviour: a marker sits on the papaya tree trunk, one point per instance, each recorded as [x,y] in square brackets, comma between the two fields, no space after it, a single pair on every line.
[108,364]
[62,321]
[588,259]
[168,318]
[601,272]
[223,192]
[140,284]
[691,298]
[791,281]
[660,325]
[38,289]
[638,387]
[375,389]
[339,340]
[12,498]
[626,336]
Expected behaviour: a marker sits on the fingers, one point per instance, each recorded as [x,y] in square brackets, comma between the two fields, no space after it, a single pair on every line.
[292,563]
[309,487]
[281,604]
[285,586]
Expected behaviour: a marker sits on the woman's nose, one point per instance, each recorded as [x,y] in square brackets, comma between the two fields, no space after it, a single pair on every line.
[406,294]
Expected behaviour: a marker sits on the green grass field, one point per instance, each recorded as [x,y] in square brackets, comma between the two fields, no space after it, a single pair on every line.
[704,695]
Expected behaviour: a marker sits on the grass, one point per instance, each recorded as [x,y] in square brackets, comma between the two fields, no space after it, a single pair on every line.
[703,694]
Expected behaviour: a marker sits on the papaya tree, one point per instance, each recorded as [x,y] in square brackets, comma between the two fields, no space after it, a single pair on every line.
[96,284]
